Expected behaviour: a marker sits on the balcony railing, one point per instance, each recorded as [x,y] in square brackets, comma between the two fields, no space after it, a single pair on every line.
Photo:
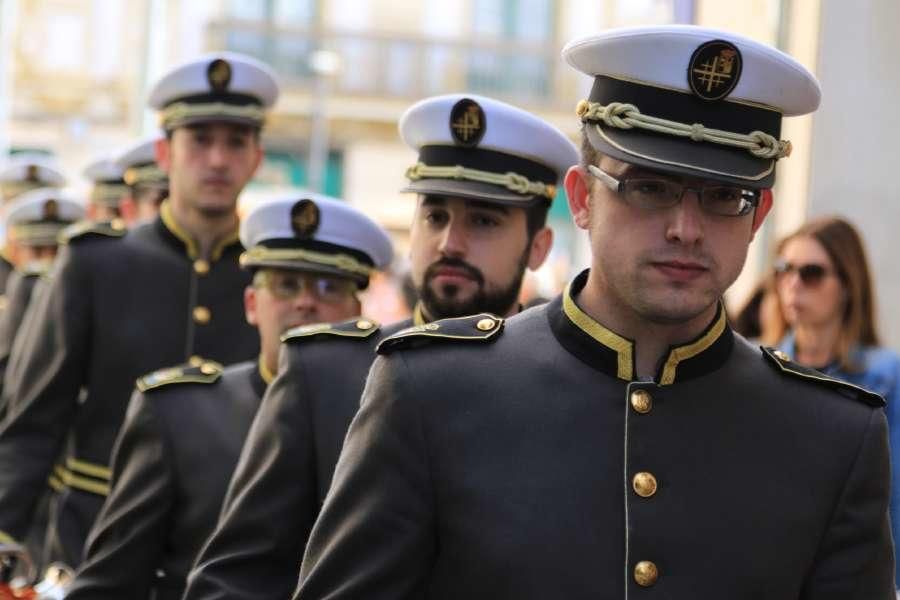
[406,67]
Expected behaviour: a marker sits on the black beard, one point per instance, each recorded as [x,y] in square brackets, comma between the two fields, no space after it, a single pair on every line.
[497,302]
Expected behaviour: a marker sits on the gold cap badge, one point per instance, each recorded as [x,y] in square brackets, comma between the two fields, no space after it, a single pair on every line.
[51,210]
[714,69]
[305,217]
[467,123]
[218,73]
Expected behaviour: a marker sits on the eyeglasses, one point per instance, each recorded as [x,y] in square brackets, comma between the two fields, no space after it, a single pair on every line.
[811,274]
[655,193]
[287,285]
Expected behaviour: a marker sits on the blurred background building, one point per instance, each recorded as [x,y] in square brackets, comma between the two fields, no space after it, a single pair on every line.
[74,76]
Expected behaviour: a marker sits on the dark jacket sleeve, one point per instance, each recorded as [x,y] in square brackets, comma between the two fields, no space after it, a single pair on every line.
[41,388]
[375,536]
[125,544]
[270,505]
[855,560]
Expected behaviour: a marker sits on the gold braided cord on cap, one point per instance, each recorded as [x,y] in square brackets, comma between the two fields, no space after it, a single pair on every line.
[148,174]
[511,181]
[627,116]
[180,111]
[108,192]
[38,233]
[344,262]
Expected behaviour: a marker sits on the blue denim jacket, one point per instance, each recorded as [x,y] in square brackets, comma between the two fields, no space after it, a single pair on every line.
[880,374]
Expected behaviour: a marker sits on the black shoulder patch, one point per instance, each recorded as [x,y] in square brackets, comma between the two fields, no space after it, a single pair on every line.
[83,229]
[483,327]
[207,372]
[358,328]
[782,362]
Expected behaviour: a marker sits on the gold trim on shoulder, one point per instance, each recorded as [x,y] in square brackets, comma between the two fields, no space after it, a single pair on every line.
[623,347]
[682,353]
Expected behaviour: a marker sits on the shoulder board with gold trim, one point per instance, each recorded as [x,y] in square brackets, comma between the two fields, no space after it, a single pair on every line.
[782,362]
[358,328]
[207,372]
[483,327]
[86,228]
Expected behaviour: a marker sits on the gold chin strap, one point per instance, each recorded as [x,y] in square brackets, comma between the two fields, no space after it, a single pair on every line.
[627,116]
[342,262]
[511,181]
[148,174]
[180,111]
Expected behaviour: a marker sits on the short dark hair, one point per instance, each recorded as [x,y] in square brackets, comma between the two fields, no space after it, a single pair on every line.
[536,217]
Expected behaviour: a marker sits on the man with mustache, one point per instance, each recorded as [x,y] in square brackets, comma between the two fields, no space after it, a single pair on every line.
[121,304]
[621,441]
[485,176]
[309,257]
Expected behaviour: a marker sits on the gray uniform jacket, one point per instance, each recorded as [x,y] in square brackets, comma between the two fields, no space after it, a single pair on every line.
[538,467]
[114,308]
[171,466]
[287,462]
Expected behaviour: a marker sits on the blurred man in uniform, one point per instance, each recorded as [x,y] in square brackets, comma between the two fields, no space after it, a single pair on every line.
[621,441]
[185,427]
[485,177]
[148,184]
[22,173]
[108,191]
[121,304]
[34,222]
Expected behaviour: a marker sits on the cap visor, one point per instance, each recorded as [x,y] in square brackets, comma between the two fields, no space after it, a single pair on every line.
[683,156]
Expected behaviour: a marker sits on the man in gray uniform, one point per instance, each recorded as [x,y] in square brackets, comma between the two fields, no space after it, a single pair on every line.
[34,221]
[185,426]
[621,441]
[121,304]
[485,176]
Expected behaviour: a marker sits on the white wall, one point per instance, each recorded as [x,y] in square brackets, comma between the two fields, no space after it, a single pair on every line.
[855,168]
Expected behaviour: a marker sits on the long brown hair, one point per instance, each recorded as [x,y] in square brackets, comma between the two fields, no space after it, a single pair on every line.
[845,248]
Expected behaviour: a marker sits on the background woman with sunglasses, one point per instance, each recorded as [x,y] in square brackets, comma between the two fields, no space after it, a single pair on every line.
[827,302]
[827,319]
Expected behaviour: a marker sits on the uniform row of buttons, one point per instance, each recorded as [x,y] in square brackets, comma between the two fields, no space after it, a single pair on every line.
[644,485]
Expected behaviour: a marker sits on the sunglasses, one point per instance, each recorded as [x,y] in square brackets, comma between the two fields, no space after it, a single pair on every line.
[811,274]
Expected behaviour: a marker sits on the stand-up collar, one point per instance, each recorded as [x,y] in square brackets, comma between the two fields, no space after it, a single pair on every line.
[176,234]
[613,354]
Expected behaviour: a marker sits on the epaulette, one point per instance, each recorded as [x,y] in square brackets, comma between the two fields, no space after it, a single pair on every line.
[483,327]
[358,328]
[207,372]
[783,362]
[81,229]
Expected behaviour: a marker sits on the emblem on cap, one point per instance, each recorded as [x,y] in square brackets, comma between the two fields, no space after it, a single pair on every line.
[51,210]
[305,218]
[218,73]
[31,174]
[714,69]
[467,123]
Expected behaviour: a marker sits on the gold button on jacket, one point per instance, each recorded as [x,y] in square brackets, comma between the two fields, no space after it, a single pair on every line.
[202,315]
[645,573]
[641,401]
[644,485]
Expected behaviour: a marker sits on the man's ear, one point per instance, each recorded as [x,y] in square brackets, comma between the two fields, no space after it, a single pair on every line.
[162,150]
[541,243]
[250,305]
[766,200]
[578,195]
